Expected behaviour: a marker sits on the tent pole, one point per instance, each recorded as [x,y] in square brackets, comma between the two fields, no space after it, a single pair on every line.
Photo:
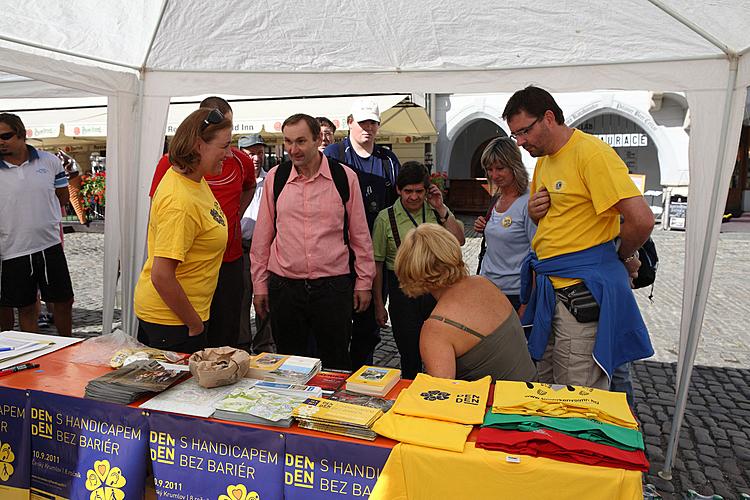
[695,324]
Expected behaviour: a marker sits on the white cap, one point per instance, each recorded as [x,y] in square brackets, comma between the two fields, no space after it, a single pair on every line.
[365,110]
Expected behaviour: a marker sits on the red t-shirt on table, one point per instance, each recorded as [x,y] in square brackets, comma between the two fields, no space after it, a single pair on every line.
[237,175]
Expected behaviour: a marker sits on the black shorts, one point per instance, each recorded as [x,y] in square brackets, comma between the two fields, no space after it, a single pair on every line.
[45,271]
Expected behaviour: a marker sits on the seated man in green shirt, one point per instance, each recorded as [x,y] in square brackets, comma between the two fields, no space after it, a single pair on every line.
[419,202]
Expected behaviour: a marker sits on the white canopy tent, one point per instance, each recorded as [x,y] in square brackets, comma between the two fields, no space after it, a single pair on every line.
[142,55]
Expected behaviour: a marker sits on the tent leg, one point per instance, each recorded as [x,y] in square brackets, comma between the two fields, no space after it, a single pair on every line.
[696,315]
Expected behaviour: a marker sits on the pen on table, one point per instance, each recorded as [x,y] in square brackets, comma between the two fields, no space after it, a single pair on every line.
[4,349]
[18,368]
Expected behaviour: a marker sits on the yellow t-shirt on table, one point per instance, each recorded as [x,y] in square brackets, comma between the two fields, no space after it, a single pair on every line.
[585,179]
[525,398]
[186,224]
[421,473]
[457,401]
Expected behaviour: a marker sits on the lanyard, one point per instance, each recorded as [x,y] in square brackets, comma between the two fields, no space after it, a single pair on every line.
[412,218]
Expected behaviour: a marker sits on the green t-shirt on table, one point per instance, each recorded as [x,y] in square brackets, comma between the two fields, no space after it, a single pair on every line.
[590,430]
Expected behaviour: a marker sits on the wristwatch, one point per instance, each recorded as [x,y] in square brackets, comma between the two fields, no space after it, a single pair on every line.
[447,215]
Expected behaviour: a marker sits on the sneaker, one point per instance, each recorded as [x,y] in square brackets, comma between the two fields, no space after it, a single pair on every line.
[46,320]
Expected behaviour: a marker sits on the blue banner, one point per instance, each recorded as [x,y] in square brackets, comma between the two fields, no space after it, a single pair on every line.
[86,449]
[200,459]
[326,468]
[15,445]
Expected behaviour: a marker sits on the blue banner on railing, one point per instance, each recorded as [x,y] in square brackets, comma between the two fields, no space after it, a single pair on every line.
[15,445]
[86,449]
[200,459]
[326,468]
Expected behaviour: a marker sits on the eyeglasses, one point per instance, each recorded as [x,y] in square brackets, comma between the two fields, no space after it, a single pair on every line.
[214,118]
[524,131]
[7,135]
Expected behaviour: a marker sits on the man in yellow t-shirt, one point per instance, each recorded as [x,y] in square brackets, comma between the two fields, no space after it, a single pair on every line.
[580,190]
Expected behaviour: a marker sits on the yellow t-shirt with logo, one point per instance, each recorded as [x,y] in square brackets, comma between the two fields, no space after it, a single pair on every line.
[522,398]
[186,224]
[585,179]
[421,473]
[457,401]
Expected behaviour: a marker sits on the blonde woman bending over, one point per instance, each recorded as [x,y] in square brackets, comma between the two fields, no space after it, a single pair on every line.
[473,330]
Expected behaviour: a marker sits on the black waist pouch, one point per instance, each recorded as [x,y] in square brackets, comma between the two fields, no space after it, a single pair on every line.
[580,302]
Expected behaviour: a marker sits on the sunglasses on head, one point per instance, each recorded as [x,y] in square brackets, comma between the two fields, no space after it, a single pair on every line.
[214,118]
[7,135]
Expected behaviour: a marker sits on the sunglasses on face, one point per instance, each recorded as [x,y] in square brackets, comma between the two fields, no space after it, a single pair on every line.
[214,118]
[7,136]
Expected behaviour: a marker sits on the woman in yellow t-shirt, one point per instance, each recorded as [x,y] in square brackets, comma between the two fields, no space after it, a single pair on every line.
[473,330]
[187,236]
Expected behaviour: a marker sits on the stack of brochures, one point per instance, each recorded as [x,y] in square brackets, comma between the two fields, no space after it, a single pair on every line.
[337,418]
[256,406]
[283,368]
[373,380]
[300,392]
[329,381]
[132,382]
[361,399]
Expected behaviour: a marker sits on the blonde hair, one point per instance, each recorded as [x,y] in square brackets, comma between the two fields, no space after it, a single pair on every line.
[182,153]
[429,258]
[504,151]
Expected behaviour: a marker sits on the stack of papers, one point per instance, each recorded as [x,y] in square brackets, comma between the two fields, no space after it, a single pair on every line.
[301,392]
[20,347]
[373,380]
[256,406]
[132,382]
[362,400]
[283,368]
[329,381]
[337,418]
[11,348]
[189,398]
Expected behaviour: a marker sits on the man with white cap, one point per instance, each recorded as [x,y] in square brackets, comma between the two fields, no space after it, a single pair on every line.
[255,147]
[377,168]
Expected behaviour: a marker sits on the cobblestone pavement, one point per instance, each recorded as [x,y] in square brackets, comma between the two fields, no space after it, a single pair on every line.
[714,453]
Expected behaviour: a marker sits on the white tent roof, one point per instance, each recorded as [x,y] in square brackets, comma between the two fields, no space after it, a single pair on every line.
[143,53]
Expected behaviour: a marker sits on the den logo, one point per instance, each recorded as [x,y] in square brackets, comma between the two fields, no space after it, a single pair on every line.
[302,473]
[41,423]
[162,447]
[239,492]
[105,482]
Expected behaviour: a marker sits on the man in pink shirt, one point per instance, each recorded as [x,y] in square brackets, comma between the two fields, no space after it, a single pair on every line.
[300,260]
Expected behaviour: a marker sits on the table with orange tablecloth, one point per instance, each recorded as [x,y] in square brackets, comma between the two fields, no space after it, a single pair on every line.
[209,458]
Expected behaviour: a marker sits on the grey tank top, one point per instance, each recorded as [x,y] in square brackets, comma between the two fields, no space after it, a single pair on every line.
[503,354]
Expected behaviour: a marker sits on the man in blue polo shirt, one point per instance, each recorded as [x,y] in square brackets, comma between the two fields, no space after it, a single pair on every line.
[33,188]
[377,168]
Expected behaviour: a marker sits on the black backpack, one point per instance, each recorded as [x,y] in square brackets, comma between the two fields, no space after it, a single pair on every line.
[649,264]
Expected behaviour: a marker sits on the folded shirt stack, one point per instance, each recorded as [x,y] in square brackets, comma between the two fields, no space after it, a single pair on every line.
[436,412]
[563,401]
[567,423]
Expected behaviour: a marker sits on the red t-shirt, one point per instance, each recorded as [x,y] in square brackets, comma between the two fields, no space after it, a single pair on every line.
[559,446]
[237,175]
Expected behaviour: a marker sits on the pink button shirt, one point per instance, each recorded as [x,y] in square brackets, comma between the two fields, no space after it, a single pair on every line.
[309,243]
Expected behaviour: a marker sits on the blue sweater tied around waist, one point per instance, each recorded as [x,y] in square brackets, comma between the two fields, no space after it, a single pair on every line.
[621,334]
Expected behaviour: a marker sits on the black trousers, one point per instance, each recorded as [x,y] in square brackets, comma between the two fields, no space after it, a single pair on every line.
[407,316]
[318,308]
[170,337]
[224,319]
